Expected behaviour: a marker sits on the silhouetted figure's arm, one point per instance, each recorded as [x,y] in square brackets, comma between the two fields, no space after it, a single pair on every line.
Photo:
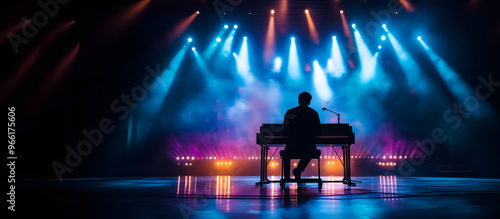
[317,125]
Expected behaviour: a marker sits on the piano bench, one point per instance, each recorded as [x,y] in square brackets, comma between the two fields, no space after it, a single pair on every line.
[284,154]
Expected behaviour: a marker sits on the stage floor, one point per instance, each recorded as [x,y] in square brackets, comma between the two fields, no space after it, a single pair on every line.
[239,197]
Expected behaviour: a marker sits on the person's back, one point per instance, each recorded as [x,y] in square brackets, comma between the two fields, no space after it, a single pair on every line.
[301,125]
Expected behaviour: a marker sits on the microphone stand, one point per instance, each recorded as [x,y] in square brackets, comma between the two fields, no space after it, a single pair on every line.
[338,115]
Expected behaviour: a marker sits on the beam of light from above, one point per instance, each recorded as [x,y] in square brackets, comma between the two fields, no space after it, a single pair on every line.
[321,83]
[338,63]
[330,68]
[8,32]
[212,46]
[243,63]
[270,43]
[164,82]
[151,108]
[366,59]
[407,5]
[283,16]
[277,65]
[458,87]
[21,71]
[228,43]
[347,33]
[293,63]
[412,70]
[312,29]
[207,74]
[119,22]
[177,30]
[51,82]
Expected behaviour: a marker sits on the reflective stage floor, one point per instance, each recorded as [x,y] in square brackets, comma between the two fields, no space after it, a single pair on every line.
[239,197]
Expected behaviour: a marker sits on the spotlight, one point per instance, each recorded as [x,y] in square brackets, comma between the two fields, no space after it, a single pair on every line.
[235,26]
[272,11]
[234,55]
[341,11]
[383,37]
[245,38]
[218,39]
[379,47]
[353,25]
[225,26]
[190,39]
[419,38]
[384,26]
[307,11]
[293,38]
[193,48]
[334,37]
[197,12]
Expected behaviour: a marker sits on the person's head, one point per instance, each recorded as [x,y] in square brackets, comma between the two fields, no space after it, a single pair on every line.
[305,99]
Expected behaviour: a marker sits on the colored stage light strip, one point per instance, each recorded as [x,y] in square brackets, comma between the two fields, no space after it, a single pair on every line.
[321,83]
[312,28]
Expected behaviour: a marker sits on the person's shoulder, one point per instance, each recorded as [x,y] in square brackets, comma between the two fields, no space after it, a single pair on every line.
[312,110]
[293,109]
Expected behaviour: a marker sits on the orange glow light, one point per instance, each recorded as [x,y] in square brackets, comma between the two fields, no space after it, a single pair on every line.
[270,41]
[272,11]
[407,5]
[312,29]
[341,11]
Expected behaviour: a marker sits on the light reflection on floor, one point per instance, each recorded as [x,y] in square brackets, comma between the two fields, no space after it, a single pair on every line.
[237,196]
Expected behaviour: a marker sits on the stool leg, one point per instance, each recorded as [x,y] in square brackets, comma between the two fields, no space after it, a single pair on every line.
[319,174]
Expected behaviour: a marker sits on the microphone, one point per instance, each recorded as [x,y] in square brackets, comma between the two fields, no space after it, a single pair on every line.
[338,115]
[330,111]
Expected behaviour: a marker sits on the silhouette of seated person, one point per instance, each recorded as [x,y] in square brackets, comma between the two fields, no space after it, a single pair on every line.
[301,124]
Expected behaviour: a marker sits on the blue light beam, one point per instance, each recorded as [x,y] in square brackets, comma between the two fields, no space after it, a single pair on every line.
[457,86]
[412,70]
[338,63]
[212,46]
[243,63]
[293,63]
[368,61]
[228,43]
[321,83]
